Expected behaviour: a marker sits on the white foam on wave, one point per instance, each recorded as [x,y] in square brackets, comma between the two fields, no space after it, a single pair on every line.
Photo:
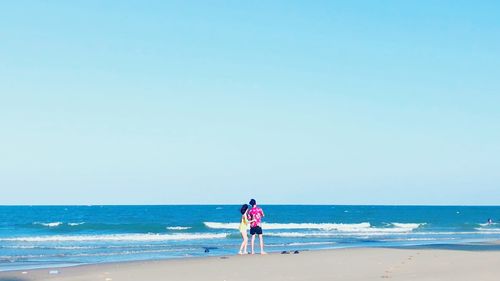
[417,239]
[57,223]
[278,226]
[377,232]
[310,243]
[99,254]
[488,224]
[300,234]
[407,225]
[54,248]
[49,224]
[118,237]
[488,230]
[478,231]
[178,227]
[364,227]
[297,244]
[366,232]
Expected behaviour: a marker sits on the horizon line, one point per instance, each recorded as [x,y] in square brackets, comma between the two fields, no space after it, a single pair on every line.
[232,204]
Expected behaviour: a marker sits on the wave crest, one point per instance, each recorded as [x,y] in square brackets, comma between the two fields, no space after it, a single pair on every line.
[278,226]
[49,224]
[407,225]
[118,237]
[178,227]
[340,227]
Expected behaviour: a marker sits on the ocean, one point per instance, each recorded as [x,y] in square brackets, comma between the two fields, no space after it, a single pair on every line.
[46,236]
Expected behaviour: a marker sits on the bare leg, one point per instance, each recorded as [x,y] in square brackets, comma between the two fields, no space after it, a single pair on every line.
[244,243]
[261,240]
[253,244]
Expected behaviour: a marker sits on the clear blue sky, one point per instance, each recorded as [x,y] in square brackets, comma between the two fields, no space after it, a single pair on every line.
[332,102]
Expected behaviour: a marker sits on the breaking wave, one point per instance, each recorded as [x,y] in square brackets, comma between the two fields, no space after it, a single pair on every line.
[49,224]
[364,227]
[178,227]
[118,237]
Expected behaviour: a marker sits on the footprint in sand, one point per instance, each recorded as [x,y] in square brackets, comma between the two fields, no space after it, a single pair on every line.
[387,273]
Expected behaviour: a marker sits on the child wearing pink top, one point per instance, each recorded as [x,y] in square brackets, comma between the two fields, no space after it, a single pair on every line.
[255,215]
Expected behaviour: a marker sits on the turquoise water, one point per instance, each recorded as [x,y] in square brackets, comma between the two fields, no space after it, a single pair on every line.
[42,236]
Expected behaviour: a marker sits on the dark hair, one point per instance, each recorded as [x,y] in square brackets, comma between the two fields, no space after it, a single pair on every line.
[253,202]
[244,208]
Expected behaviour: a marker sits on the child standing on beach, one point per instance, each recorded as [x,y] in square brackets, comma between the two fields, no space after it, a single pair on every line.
[256,214]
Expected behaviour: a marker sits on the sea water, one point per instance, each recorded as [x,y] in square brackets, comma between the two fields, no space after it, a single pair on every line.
[45,236]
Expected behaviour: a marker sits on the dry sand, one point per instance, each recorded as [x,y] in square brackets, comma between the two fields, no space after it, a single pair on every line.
[341,264]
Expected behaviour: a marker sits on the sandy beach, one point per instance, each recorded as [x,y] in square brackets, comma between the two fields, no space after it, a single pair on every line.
[340,264]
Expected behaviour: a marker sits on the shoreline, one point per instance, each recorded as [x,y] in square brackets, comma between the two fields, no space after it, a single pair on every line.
[479,246]
[491,245]
[345,263]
